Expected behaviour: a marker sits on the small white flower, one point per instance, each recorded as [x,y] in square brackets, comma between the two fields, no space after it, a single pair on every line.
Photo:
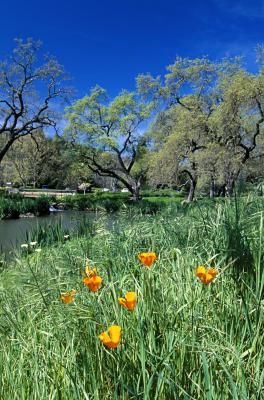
[24,246]
[38,250]
[66,236]
[33,243]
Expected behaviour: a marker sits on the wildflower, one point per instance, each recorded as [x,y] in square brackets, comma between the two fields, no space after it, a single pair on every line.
[24,246]
[38,250]
[111,338]
[147,259]
[68,297]
[33,243]
[66,237]
[93,282]
[206,276]
[129,302]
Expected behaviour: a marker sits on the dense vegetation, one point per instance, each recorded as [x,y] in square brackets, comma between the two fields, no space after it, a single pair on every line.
[184,340]
[200,127]
[15,205]
[12,206]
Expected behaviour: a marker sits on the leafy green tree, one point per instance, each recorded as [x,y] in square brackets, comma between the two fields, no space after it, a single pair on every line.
[211,115]
[238,122]
[27,158]
[110,129]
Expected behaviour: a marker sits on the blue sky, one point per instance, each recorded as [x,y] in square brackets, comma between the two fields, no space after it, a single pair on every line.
[110,42]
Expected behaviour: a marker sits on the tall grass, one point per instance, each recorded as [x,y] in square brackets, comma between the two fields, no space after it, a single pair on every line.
[183,341]
[11,206]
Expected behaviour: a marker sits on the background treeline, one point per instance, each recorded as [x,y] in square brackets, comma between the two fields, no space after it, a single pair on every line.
[198,128]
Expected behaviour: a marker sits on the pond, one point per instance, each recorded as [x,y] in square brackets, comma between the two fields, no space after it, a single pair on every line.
[14,232]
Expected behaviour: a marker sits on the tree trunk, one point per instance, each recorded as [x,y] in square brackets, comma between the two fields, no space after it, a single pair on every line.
[212,189]
[221,191]
[192,190]
[5,149]
[136,192]
[230,186]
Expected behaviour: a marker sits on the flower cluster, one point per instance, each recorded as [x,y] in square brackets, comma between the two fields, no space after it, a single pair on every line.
[111,338]
[93,282]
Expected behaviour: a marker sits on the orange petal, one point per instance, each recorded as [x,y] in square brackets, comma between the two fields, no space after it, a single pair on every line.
[93,283]
[112,339]
[208,279]
[131,300]
[115,334]
[200,272]
[147,259]
[212,271]
[122,301]
[105,339]
[68,297]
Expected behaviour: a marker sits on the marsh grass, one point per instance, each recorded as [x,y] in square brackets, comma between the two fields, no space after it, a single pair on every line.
[183,341]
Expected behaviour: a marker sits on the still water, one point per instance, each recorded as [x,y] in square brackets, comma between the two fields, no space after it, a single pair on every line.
[17,231]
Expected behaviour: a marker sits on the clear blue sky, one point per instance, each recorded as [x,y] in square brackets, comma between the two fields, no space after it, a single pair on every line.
[110,42]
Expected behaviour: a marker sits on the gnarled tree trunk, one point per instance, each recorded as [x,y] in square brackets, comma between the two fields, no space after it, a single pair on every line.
[193,183]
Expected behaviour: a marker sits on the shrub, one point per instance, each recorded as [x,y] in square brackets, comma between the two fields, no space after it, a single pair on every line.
[41,206]
[9,208]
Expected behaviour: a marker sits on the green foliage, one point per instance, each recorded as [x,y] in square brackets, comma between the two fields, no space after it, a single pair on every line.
[184,340]
[109,205]
[11,206]
[8,208]
[110,129]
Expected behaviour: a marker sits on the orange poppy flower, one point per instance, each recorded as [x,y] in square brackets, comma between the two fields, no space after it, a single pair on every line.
[68,297]
[111,338]
[147,259]
[206,276]
[129,302]
[93,283]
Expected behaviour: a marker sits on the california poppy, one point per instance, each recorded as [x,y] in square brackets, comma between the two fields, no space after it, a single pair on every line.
[206,276]
[129,302]
[93,283]
[147,259]
[111,338]
[68,297]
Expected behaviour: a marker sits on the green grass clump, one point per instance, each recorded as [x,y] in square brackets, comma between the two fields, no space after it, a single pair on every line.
[183,341]
[13,205]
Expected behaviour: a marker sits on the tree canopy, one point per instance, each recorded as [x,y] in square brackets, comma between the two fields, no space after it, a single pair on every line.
[199,126]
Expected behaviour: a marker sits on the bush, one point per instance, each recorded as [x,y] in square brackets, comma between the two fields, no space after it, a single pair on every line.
[41,206]
[9,208]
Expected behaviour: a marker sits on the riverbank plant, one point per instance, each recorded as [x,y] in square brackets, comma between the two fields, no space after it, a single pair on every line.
[12,206]
[184,338]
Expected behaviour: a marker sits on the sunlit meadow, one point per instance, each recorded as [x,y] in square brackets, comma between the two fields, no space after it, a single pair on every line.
[182,336]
